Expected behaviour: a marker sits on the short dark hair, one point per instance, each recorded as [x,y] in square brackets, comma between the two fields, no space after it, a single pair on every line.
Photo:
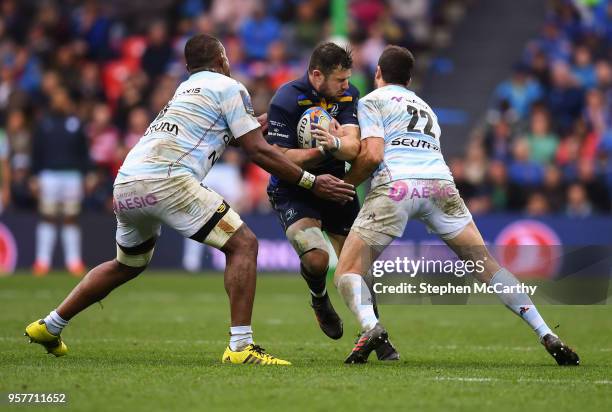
[328,56]
[201,51]
[396,65]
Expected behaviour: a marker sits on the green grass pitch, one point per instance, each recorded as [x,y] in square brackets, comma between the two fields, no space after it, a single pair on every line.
[156,344]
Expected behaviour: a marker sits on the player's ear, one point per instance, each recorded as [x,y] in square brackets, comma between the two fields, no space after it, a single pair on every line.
[317,74]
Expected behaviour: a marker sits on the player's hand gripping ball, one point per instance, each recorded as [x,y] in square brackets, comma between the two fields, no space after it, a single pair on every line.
[311,117]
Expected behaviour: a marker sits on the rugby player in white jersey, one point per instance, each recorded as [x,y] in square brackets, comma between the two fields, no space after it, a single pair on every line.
[401,147]
[159,182]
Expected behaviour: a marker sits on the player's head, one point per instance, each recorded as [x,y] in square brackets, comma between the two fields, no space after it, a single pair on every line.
[329,69]
[394,66]
[204,52]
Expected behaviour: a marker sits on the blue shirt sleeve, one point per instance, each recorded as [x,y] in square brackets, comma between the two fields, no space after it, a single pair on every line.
[281,123]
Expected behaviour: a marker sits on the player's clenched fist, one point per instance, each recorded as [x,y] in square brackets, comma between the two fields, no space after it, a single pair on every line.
[331,188]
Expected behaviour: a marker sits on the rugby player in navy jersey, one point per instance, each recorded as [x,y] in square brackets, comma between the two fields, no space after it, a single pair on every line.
[304,217]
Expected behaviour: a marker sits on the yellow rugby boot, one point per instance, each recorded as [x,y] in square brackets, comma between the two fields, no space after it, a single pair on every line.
[252,354]
[38,333]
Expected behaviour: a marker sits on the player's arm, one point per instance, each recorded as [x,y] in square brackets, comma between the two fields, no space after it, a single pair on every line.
[282,134]
[306,158]
[274,162]
[369,158]
[342,142]
[372,149]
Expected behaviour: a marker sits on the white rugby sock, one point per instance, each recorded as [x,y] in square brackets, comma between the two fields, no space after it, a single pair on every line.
[520,303]
[46,234]
[357,297]
[71,240]
[240,337]
[55,323]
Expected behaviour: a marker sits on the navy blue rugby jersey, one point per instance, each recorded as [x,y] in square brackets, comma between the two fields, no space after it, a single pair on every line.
[286,108]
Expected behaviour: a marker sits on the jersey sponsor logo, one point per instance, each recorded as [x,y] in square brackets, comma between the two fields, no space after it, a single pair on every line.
[8,251]
[415,143]
[195,90]
[163,127]
[276,132]
[529,249]
[246,101]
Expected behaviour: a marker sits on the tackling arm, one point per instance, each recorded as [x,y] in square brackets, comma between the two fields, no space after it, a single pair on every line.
[275,162]
[369,157]
[305,158]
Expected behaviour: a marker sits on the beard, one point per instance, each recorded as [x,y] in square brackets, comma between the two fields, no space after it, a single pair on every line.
[328,93]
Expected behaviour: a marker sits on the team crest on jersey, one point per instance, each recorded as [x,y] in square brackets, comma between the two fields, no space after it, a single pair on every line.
[290,214]
[246,101]
[333,110]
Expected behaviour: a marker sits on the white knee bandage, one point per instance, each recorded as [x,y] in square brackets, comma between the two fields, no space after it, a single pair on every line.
[135,261]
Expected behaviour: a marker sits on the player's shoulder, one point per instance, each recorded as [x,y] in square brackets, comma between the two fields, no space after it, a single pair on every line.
[212,82]
[289,94]
[372,97]
[352,91]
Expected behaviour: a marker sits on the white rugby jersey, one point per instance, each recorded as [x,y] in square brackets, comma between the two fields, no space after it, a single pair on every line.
[411,133]
[191,132]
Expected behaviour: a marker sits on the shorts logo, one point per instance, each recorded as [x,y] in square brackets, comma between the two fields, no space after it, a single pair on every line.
[221,208]
[290,214]
[134,202]
[398,191]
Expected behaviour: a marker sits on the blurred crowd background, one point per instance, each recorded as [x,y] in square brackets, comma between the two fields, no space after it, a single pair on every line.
[105,68]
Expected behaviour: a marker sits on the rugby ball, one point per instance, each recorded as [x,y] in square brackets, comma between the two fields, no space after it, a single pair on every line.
[313,116]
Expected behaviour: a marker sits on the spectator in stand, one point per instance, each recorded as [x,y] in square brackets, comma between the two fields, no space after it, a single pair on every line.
[564,98]
[583,69]
[159,52]
[60,159]
[138,120]
[498,141]
[523,170]
[594,185]
[537,205]
[520,92]
[595,114]
[258,32]
[554,189]
[542,142]
[307,29]
[103,140]
[497,185]
[578,205]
